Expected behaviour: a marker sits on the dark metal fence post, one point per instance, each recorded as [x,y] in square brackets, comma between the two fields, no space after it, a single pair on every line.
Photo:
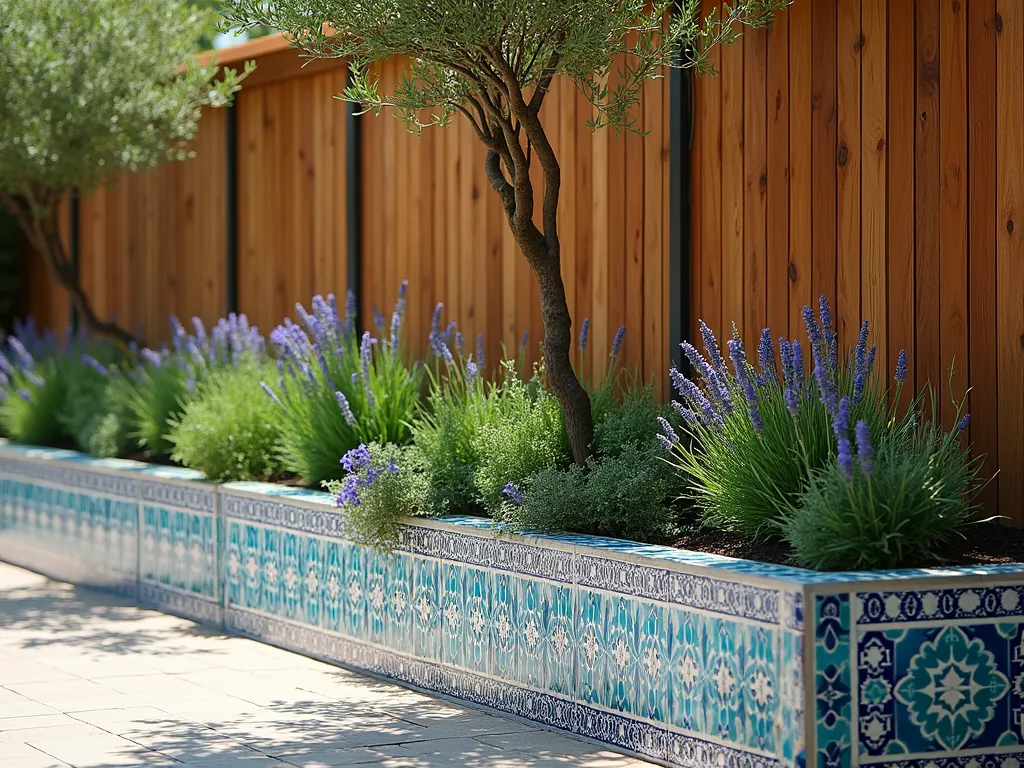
[353,203]
[681,106]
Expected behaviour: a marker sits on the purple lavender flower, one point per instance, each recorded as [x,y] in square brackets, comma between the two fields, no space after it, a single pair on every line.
[688,415]
[813,331]
[25,395]
[964,423]
[525,340]
[792,401]
[4,380]
[786,355]
[666,443]
[459,344]
[826,388]
[739,362]
[350,307]
[179,330]
[752,410]
[346,409]
[860,364]
[584,334]
[151,357]
[449,331]
[617,341]
[798,364]
[845,458]
[901,367]
[24,358]
[441,350]
[95,364]
[365,351]
[766,360]
[357,458]
[348,494]
[270,393]
[828,330]
[435,320]
[864,450]
[718,388]
[35,379]
[471,372]
[5,365]
[511,491]
[696,399]
[871,360]
[841,420]
[667,431]
[713,352]
[200,330]
[480,350]
[378,319]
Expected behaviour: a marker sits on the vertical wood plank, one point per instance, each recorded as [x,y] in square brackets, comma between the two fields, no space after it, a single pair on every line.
[900,214]
[755,185]
[928,366]
[732,188]
[848,190]
[654,246]
[981,116]
[824,109]
[707,191]
[874,177]
[800,111]
[1010,255]
[778,177]
[953,203]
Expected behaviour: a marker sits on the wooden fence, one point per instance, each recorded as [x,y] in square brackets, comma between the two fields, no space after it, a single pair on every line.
[868,150]
[873,152]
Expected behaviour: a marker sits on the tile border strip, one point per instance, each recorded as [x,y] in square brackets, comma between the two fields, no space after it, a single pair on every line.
[193,607]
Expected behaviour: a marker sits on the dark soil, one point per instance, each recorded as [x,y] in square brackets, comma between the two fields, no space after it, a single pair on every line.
[986,543]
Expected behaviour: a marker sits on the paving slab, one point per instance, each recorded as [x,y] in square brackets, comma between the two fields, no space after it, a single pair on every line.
[89,681]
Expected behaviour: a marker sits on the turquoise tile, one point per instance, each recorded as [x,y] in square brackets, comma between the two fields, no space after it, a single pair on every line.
[480,597]
[252,567]
[291,575]
[333,615]
[532,610]
[652,661]
[426,643]
[179,549]
[354,591]
[590,646]
[453,607]
[211,577]
[620,676]
[312,580]
[760,686]
[686,670]
[149,562]
[399,604]
[559,639]
[271,575]
[234,564]
[377,596]
[723,679]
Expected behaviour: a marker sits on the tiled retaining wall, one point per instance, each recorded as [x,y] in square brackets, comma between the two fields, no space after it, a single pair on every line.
[693,659]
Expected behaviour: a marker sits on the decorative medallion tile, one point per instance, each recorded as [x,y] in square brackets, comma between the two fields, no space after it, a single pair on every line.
[902,606]
[834,716]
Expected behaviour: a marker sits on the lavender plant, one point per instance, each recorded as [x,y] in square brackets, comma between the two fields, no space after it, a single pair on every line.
[893,506]
[32,392]
[335,389]
[156,392]
[754,433]
[382,485]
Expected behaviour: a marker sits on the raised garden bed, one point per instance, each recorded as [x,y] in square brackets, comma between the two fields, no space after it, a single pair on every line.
[690,658]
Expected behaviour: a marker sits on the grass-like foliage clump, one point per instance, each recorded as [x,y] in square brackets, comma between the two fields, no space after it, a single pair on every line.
[336,389]
[229,430]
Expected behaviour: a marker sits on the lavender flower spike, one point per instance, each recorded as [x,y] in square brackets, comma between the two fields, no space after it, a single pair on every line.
[711,347]
[901,367]
[828,329]
[964,423]
[845,458]
[471,372]
[766,360]
[798,364]
[667,431]
[346,410]
[378,318]
[525,340]
[459,344]
[480,350]
[841,422]
[511,490]
[435,319]
[584,334]
[864,450]
[95,364]
[617,341]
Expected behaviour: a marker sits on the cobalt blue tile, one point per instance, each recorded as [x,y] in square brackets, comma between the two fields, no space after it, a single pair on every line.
[334,586]
[652,660]
[620,676]
[252,567]
[590,646]
[477,590]
[377,596]
[559,639]
[532,609]
[354,592]
[686,670]
[271,571]
[399,606]
[426,610]
[291,575]
[312,575]
[452,614]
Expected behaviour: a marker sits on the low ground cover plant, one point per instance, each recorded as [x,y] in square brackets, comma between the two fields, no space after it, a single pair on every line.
[825,460]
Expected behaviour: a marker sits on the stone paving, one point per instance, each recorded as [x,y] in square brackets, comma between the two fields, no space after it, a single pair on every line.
[88,680]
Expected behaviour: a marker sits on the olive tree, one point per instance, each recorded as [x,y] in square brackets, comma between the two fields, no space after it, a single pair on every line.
[92,88]
[492,62]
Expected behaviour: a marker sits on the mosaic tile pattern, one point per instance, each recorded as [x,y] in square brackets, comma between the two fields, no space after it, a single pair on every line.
[692,663]
[179,569]
[832,683]
[70,522]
